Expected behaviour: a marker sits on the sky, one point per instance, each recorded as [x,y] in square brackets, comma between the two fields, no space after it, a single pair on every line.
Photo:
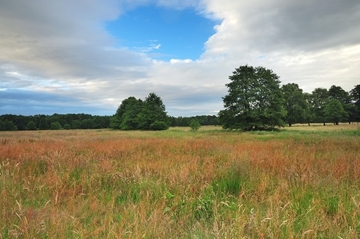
[87,56]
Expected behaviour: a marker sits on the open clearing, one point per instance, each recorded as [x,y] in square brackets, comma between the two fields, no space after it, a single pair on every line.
[301,182]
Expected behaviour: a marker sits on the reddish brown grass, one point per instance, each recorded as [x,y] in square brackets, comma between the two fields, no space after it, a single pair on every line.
[112,184]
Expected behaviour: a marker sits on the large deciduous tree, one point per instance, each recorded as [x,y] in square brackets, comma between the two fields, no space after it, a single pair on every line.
[254,100]
[355,97]
[334,111]
[294,103]
[309,115]
[336,92]
[319,99]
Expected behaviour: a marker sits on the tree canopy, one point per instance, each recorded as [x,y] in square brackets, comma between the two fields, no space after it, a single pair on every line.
[294,102]
[334,111]
[134,114]
[254,100]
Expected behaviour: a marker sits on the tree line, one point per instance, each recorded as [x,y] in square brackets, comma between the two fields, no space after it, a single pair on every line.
[150,114]
[256,101]
[9,122]
[53,122]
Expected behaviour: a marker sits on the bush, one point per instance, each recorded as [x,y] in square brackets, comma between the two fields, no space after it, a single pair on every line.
[194,125]
[159,125]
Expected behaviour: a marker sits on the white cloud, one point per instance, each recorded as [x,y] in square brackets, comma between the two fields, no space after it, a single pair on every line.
[62,48]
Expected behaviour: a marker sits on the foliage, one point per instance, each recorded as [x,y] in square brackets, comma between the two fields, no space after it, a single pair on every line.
[8,125]
[76,124]
[355,95]
[194,125]
[305,107]
[308,113]
[294,103]
[67,126]
[159,125]
[319,99]
[31,126]
[126,116]
[203,120]
[87,124]
[254,100]
[55,125]
[134,114]
[153,110]
[334,111]
[338,93]
[43,122]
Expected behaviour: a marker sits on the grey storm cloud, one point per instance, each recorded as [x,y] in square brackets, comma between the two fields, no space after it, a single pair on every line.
[312,25]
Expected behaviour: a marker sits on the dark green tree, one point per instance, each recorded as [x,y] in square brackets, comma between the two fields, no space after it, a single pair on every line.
[128,113]
[159,125]
[43,124]
[55,125]
[355,97]
[294,103]
[126,116]
[336,92]
[67,126]
[255,100]
[319,99]
[133,114]
[334,111]
[153,110]
[8,125]
[31,126]
[76,124]
[309,115]
[87,124]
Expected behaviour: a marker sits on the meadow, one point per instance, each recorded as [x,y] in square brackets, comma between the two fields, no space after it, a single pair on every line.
[299,182]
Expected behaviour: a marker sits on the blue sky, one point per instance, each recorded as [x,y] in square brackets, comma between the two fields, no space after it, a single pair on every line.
[163,33]
[87,56]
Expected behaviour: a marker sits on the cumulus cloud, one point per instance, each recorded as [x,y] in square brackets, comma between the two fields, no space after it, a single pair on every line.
[60,49]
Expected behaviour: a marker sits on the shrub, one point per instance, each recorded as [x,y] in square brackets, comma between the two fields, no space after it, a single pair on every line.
[194,125]
[159,125]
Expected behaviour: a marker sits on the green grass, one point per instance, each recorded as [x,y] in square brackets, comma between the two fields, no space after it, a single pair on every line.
[292,183]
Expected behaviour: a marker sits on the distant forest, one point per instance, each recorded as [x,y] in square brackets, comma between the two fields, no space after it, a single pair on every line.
[320,106]
[81,121]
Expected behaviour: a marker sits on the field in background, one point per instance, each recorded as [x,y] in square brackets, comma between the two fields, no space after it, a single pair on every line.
[301,182]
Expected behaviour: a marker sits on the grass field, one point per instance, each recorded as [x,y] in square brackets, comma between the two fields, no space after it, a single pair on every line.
[300,182]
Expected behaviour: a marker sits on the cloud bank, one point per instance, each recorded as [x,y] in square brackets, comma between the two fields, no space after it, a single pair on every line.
[57,57]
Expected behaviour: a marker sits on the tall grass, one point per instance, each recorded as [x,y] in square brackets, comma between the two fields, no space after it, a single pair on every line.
[179,184]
